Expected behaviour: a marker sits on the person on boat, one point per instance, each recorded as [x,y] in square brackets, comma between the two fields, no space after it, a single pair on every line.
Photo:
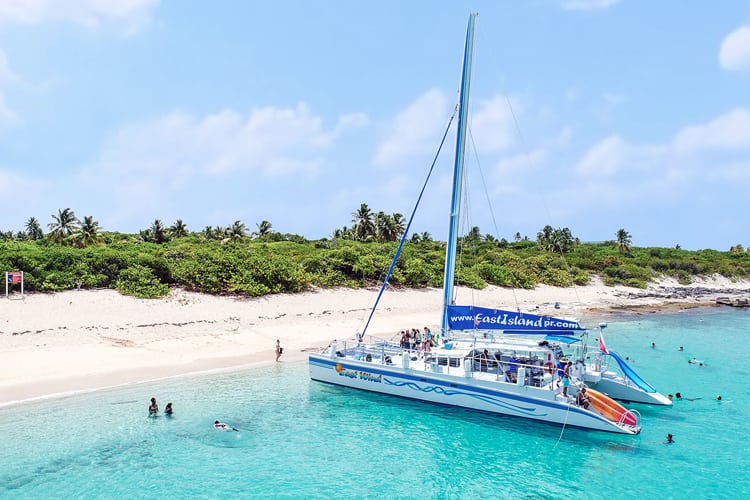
[582,398]
[428,338]
[566,378]
[153,408]
[513,365]
[670,439]
[279,350]
[221,426]
[483,357]
[168,409]
[427,342]
[418,339]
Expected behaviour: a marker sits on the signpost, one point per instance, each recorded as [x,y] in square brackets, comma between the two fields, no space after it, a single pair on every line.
[11,278]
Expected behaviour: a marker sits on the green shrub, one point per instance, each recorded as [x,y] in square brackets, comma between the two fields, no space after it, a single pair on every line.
[140,281]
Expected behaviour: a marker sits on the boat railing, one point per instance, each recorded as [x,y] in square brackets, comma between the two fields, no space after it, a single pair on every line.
[374,350]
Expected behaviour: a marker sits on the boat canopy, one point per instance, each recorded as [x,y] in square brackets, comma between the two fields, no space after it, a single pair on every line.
[483,318]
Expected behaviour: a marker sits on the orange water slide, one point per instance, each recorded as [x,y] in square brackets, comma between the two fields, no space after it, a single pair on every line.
[610,408]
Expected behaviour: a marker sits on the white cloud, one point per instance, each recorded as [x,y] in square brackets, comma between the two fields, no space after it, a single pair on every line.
[90,13]
[7,115]
[352,120]
[712,152]
[493,126]
[507,168]
[414,130]
[730,131]
[604,158]
[564,137]
[587,4]
[734,53]
[271,141]
[6,73]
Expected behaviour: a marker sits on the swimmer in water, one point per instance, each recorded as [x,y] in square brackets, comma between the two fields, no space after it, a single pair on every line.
[221,426]
[153,408]
[669,439]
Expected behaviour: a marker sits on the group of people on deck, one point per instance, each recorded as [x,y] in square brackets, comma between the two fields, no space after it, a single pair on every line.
[415,340]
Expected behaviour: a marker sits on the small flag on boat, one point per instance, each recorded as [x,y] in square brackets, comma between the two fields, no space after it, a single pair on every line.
[602,347]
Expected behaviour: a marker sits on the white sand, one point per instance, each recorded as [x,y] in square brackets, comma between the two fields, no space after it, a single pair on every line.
[84,340]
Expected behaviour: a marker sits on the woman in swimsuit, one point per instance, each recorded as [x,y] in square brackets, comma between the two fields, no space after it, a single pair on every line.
[153,409]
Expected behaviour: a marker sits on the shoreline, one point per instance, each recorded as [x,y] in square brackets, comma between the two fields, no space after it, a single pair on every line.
[53,345]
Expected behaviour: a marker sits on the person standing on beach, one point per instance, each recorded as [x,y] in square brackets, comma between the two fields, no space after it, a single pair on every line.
[279,350]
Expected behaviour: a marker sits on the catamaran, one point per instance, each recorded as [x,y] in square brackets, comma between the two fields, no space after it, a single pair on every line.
[516,377]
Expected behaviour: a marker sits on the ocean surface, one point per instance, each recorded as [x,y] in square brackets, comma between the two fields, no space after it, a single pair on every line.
[303,439]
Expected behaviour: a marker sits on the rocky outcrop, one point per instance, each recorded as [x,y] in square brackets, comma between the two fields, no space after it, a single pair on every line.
[734,301]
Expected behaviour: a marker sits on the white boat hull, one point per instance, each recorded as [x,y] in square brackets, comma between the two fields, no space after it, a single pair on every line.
[466,392]
[622,389]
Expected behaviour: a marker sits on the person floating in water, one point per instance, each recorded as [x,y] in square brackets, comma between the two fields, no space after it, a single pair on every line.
[680,348]
[653,345]
[168,409]
[718,398]
[221,426]
[153,408]
[670,439]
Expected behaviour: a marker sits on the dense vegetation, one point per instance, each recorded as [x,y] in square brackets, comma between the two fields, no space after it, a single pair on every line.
[227,260]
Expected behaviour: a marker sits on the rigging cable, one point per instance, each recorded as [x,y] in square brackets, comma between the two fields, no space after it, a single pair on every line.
[408,225]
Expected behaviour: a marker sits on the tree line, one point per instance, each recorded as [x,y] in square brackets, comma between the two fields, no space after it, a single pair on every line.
[232,260]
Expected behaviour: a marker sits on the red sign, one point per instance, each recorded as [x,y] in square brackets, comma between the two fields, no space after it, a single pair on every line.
[15,277]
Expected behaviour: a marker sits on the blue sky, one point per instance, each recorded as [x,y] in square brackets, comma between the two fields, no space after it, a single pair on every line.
[630,114]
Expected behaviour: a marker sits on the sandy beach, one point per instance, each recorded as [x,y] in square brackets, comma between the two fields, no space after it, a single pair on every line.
[83,340]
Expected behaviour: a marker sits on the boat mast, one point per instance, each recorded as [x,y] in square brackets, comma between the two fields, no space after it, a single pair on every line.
[458,166]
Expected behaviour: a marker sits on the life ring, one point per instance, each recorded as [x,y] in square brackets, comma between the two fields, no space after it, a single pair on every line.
[549,367]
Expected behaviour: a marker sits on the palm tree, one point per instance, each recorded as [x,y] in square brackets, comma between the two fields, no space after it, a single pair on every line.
[624,240]
[474,235]
[158,231]
[33,229]
[88,232]
[236,231]
[178,229]
[208,233]
[64,224]
[399,225]
[264,229]
[364,227]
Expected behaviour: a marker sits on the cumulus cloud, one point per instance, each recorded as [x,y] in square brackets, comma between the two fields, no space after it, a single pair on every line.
[6,73]
[271,141]
[588,4]
[7,115]
[493,125]
[730,131]
[713,150]
[734,53]
[604,158]
[90,13]
[414,130]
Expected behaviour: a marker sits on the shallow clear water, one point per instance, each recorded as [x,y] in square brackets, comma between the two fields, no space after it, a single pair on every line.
[303,439]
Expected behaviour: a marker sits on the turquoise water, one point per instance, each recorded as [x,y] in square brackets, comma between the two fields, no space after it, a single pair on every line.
[308,440]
